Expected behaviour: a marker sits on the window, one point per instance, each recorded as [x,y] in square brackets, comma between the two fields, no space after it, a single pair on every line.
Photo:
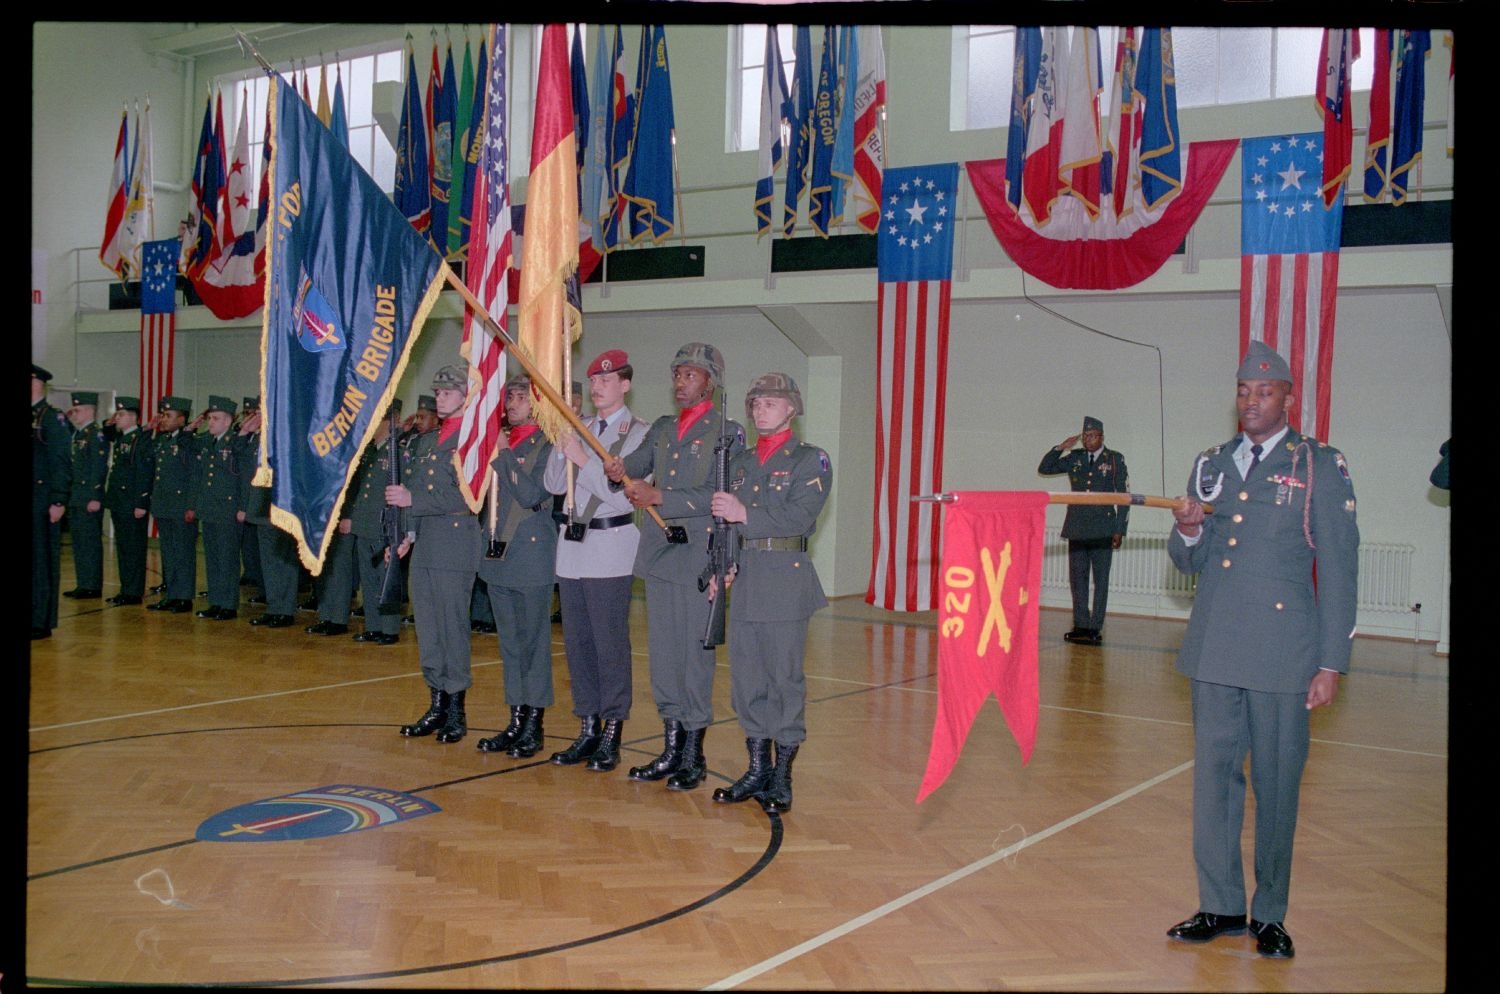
[747,80]
[1214,66]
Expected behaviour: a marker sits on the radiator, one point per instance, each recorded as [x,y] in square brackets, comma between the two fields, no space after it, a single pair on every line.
[1141,566]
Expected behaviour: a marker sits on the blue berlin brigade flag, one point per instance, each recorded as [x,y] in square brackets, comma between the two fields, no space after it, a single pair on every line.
[349,283]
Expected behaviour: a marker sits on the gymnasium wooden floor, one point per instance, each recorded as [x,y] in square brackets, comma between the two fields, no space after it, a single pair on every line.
[1060,875]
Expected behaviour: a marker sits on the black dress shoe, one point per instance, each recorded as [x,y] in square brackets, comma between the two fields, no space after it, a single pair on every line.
[226,614]
[124,599]
[83,593]
[1092,636]
[272,621]
[311,604]
[378,638]
[160,605]
[40,633]
[482,627]
[1271,940]
[410,619]
[210,613]
[1204,926]
[1076,636]
[180,606]
[160,588]
[256,599]
[357,612]
[327,628]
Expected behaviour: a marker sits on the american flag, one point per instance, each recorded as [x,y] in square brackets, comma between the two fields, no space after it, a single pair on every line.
[1289,266]
[490,258]
[158,321]
[915,254]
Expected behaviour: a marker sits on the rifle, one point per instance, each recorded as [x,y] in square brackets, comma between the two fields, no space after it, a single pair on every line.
[390,528]
[718,544]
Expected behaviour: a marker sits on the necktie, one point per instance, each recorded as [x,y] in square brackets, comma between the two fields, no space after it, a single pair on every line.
[599,427]
[1255,451]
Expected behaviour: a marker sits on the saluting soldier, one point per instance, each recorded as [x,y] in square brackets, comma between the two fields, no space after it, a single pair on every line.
[86,501]
[1263,646]
[595,567]
[365,520]
[776,492]
[444,542]
[176,466]
[51,483]
[1093,532]
[216,503]
[518,569]
[678,453]
[127,495]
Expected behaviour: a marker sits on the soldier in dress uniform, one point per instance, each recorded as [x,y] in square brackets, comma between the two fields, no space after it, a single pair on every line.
[86,501]
[51,483]
[518,568]
[595,567]
[1093,532]
[444,542]
[416,432]
[678,452]
[249,439]
[1262,647]
[776,492]
[216,504]
[127,495]
[366,512]
[176,465]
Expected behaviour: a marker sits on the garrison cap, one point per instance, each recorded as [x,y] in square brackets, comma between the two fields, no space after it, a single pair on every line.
[175,404]
[395,406]
[1092,424]
[608,362]
[427,402]
[217,403]
[128,404]
[250,404]
[40,373]
[85,397]
[1262,363]
[451,377]
[774,385]
[705,357]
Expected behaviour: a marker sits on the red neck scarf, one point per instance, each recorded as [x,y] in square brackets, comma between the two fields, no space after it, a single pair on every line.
[447,427]
[688,416]
[520,433]
[767,444]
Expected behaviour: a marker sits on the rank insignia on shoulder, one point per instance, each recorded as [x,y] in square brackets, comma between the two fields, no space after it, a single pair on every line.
[823,462]
[816,481]
[1343,465]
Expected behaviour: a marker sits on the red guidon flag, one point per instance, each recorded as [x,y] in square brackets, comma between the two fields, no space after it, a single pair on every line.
[987,620]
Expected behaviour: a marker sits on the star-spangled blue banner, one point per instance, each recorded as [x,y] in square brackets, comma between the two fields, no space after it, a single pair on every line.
[916,223]
[1282,212]
[159,276]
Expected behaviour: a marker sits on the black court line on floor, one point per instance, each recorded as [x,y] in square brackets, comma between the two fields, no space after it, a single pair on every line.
[773,846]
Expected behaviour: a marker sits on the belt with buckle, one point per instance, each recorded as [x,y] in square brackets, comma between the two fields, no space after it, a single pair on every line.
[791,543]
[615,522]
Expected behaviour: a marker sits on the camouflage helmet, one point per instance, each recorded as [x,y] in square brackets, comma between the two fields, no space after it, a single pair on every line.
[773,385]
[451,377]
[705,357]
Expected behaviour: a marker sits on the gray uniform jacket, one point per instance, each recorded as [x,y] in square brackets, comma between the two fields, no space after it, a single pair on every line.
[1257,623]
[683,470]
[1107,474]
[782,501]
[604,552]
[447,531]
[524,521]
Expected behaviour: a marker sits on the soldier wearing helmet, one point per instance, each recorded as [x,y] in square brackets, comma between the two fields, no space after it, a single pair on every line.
[776,492]
[678,453]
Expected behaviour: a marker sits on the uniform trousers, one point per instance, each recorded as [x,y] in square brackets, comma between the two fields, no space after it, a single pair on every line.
[179,557]
[596,633]
[1085,556]
[87,530]
[278,567]
[221,560]
[682,671]
[440,600]
[335,586]
[1228,723]
[46,569]
[130,550]
[371,577]
[250,556]
[767,685]
[524,628]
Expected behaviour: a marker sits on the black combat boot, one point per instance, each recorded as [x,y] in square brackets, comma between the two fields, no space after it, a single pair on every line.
[583,747]
[437,713]
[778,796]
[607,756]
[756,779]
[671,756]
[457,725]
[530,739]
[692,769]
[502,742]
